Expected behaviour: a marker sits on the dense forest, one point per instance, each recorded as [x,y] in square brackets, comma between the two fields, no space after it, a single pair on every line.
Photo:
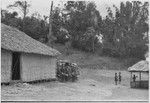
[123,33]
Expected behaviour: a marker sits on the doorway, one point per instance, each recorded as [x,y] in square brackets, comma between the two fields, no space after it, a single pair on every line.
[16,66]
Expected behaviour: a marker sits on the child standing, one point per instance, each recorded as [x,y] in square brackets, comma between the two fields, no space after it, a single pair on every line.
[116,78]
[119,77]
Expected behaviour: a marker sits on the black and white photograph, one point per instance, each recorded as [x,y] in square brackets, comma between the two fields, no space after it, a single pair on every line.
[75,51]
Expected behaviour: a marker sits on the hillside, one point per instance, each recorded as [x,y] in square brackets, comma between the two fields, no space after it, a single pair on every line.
[93,61]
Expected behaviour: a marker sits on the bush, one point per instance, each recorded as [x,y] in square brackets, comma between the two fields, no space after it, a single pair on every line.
[67,71]
[110,52]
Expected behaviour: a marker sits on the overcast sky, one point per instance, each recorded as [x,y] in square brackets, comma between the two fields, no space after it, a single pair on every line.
[43,6]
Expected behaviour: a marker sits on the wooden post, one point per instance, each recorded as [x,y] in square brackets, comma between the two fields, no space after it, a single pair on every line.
[130,79]
[140,78]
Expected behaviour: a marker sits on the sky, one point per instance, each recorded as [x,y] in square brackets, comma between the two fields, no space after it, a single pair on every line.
[43,6]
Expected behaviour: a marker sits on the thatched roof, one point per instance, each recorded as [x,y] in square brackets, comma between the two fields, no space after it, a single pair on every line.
[142,66]
[147,55]
[14,40]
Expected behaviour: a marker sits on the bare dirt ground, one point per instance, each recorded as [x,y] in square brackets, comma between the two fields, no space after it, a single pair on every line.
[96,83]
[93,85]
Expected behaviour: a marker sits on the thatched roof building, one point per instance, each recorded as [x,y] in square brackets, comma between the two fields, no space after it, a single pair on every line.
[139,81]
[142,66]
[25,59]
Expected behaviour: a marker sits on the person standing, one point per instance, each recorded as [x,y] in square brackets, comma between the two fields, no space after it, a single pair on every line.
[134,78]
[116,78]
[120,77]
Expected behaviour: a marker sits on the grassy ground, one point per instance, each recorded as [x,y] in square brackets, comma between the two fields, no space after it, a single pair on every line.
[96,82]
[94,61]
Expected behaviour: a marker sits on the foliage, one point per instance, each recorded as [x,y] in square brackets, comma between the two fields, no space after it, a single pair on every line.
[57,27]
[22,6]
[34,27]
[127,31]
[81,16]
[10,18]
[67,71]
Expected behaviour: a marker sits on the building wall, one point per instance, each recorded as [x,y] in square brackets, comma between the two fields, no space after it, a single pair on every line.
[6,64]
[37,67]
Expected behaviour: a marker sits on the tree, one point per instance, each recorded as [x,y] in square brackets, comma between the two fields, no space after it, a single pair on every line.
[11,19]
[81,16]
[22,6]
[134,27]
[34,26]
[93,16]
[127,30]
[49,36]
